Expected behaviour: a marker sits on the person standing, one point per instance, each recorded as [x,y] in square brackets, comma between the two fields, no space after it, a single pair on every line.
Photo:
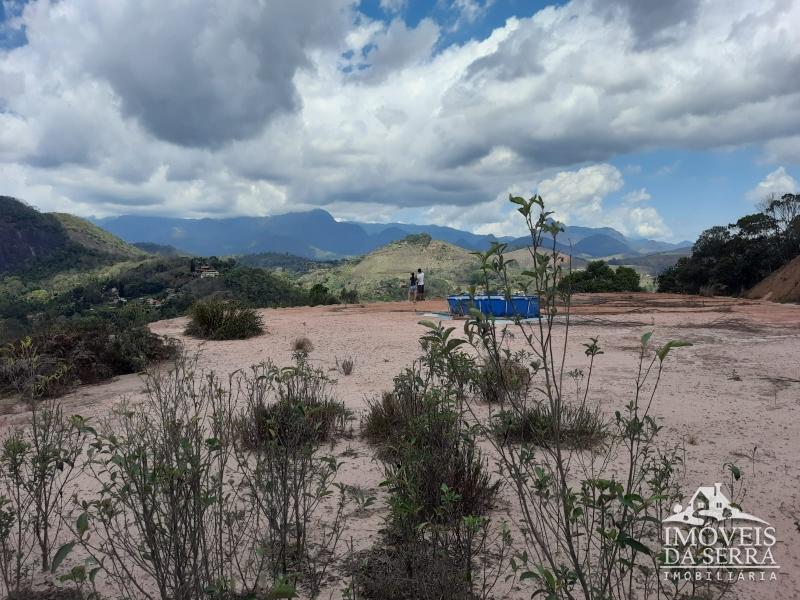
[412,288]
[420,284]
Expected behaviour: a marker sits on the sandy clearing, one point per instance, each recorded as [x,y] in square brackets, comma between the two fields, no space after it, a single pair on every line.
[713,415]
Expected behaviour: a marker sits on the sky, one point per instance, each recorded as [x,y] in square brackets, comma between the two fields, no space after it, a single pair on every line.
[660,119]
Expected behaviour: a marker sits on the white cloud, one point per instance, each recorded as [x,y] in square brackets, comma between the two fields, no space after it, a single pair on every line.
[643,221]
[394,6]
[779,182]
[469,11]
[237,107]
[578,195]
[580,198]
[783,150]
[636,196]
[398,47]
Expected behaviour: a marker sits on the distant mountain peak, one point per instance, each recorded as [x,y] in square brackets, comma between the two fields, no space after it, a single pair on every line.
[316,234]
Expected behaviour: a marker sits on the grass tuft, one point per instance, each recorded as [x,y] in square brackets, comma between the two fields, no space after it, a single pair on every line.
[219,320]
[303,344]
[508,381]
[346,365]
[581,427]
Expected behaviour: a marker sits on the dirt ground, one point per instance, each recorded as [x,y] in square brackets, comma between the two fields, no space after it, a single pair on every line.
[733,396]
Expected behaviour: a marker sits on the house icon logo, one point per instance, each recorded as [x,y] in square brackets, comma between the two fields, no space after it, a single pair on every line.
[707,505]
[713,539]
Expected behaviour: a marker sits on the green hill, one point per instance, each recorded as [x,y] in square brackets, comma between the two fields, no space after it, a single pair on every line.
[91,237]
[383,274]
[653,264]
[40,245]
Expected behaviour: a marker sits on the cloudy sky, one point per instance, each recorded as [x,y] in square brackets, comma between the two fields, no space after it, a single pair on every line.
[657,118]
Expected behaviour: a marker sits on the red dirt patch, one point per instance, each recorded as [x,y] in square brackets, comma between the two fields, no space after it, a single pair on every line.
[781,286]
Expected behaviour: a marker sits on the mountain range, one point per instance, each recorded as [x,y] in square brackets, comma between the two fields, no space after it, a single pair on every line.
[316,234]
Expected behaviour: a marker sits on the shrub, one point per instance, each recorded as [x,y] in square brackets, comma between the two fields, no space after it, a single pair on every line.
[218,320]
[384,416]
[319,294]
[588,529]
[436,455]
[348,296]
[392,572]
[579,426]
[286,423]
[50,594]
[505,380]
[389,416]
[301,409]
[38,468]
[97,350]
[303,344]
[183,509]
[287,414]
[31,375]
[438,482]
[83,352]
[346,365]
[600,277]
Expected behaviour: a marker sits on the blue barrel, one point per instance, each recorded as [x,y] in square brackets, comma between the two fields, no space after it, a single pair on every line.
[498,306]
[526,307]
[459,305]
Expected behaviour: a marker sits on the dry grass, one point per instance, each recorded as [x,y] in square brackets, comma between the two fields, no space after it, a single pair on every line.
[346,365]
[303,344]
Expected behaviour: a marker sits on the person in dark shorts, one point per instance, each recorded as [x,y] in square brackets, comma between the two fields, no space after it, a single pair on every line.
[412,287]
[420,284]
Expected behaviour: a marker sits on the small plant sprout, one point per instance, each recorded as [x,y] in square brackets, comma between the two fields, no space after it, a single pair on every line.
[346,365]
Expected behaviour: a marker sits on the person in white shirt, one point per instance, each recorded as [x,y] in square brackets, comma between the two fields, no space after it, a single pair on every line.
[420,284]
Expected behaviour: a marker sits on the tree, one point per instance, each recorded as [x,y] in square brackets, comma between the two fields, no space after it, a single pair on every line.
[784,210]
[731,259]
[600,277]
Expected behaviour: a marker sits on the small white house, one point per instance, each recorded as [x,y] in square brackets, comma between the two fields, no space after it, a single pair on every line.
[708,503]
[207,272]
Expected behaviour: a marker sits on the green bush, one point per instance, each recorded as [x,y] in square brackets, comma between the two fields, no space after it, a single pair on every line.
[218,320]
[437,455]
[509,380]
[319,294]
[599,277]
[428,448]
[733,258]
[436,541]
[79,352]
[579,427]
[302,409]
[348,296]
[388,417]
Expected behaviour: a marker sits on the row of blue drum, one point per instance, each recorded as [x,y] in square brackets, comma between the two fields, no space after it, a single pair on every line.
[525,307]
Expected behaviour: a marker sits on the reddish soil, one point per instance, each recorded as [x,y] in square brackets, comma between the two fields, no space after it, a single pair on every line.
[732,396]
[781,286]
